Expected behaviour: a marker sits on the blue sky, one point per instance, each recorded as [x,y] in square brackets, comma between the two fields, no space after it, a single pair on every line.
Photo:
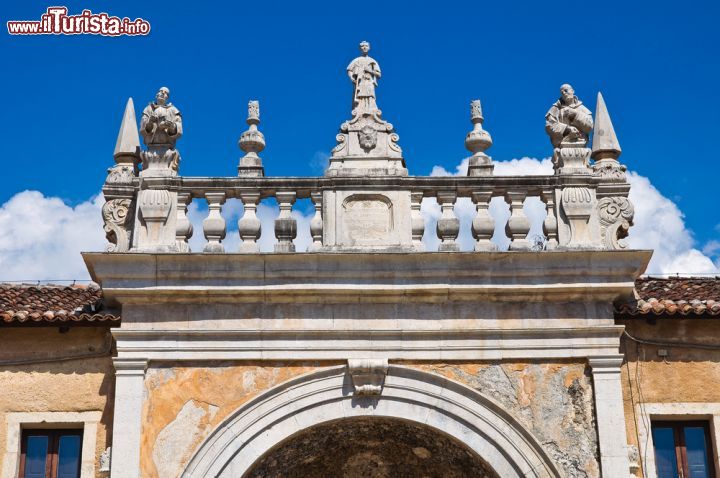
[656,64]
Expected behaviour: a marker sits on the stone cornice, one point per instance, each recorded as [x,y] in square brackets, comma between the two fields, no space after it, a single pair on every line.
[387,277]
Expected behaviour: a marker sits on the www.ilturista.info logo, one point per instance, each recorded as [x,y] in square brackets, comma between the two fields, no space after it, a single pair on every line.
[56,21]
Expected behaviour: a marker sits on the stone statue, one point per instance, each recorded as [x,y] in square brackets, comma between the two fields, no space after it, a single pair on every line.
[364,73]
[160,127]
[568,122]
[161,122]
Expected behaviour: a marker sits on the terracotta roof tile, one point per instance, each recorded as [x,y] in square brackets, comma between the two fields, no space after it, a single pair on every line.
[673,297]
[52,304]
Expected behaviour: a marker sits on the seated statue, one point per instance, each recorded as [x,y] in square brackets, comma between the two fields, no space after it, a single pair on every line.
[568,122]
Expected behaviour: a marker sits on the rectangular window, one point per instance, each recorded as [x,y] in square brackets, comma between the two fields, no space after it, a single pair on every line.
[50,453]
[682,449]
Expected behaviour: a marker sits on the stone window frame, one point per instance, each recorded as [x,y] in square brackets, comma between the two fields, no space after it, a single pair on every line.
[19,421]
[680,411]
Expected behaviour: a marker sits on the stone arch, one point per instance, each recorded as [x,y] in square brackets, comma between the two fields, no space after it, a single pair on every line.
[408,394]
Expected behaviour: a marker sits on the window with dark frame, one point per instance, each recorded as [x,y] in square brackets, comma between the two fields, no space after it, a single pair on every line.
[683,449]
[50,453]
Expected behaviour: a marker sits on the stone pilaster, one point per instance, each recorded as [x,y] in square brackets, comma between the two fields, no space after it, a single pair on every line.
[610,415]
[127,418]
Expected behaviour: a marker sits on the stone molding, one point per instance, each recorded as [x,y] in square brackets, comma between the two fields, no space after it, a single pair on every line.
[446,406]
[88,421]
[368,375]
[430,344]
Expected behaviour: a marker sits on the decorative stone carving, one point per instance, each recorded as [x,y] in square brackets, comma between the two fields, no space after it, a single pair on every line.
[252,142]
[366,144]
[249,226]
[477,141]
[214,223]
[117,216]
[568,123]
[154,205]
[616,216]
[605,146]
[518,225]
[448,226]
[285,224]
[368,375]
[316,223]
[183,227]
[550,223]
[578,204]
[418,220]
[161,127]
[117,212]
[483,224]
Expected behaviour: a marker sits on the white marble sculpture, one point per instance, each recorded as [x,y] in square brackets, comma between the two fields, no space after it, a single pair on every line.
[160,127]
[568,122]
[366,144]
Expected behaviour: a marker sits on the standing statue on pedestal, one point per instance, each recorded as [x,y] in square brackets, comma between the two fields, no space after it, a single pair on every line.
[160,127]
[366,144]
[568,122]
[364,73]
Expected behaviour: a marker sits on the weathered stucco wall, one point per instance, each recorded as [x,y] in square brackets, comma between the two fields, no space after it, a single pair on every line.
[552,400]
[53,385]
[184,404]
[686,375]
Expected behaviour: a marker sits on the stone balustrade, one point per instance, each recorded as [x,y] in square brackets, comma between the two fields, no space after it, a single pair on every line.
[366,201]
[356,213]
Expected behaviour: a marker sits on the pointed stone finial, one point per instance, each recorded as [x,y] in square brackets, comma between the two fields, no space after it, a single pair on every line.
[477,141]
[605,146]
[127,145]
[604,139]
[252,142]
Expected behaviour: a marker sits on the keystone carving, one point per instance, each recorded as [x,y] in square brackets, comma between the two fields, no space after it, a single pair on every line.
[368,375]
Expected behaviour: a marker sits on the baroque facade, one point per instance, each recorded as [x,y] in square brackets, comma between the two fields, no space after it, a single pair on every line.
[364,355]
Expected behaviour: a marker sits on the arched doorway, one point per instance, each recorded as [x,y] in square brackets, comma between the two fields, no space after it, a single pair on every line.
[370,447]
[416,398]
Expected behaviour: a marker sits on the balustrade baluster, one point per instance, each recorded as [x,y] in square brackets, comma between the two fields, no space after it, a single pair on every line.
[448,226]
[249,226]
[417,220]
[550,224]
[214,224]
[285,224]
[483,224]
[518,225]
[183,228]
[316,223]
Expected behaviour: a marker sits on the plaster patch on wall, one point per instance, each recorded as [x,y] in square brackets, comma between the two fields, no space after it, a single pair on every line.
[179,436]
[554,401]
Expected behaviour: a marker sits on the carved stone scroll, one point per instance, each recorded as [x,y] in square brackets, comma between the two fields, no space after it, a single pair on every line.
[117,215]
[616,216]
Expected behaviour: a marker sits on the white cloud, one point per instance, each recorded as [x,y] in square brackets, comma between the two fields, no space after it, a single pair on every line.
[41,237]
[660,225]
